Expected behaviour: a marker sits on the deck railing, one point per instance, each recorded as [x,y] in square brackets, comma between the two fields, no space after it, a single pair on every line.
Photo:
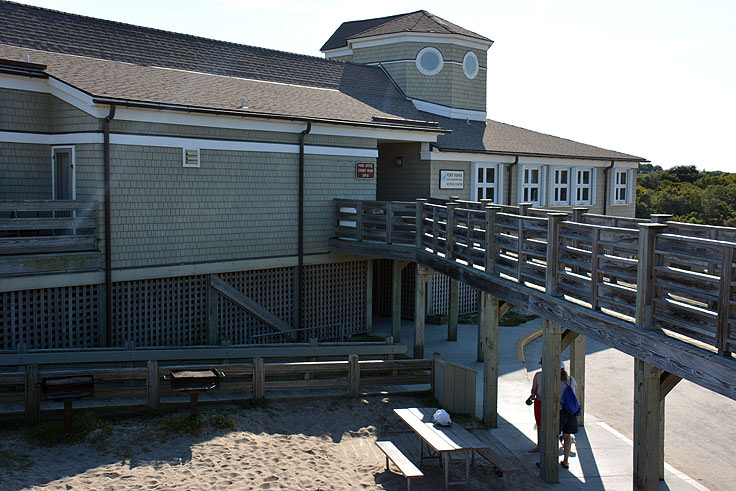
[656,274]
[47,226]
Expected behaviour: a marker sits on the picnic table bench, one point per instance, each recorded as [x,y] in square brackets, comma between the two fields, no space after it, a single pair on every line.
[406,467]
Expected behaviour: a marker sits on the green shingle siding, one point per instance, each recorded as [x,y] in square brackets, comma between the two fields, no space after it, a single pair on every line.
[25,171]
[22,110]
[163,129]
[237,205]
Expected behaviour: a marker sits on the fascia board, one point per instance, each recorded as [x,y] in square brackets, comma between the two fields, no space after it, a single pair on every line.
[420,37]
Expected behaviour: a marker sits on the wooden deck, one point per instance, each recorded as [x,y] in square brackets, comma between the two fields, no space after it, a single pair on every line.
[661,291]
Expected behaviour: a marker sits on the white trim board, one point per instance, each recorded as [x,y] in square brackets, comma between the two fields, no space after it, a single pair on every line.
[446,62]
[466,157]
[411,37]
[448,112]
[177,142]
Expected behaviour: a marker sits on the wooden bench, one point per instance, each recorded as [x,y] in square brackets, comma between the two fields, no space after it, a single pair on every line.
[500,462]
[406,467]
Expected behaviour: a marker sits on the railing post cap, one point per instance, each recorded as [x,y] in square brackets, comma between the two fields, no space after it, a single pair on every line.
[654,226]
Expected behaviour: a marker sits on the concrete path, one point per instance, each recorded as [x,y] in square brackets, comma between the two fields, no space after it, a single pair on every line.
[602,458]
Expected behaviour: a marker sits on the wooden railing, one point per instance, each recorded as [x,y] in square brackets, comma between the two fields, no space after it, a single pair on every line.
[657,274]
[45,226]
[132,388]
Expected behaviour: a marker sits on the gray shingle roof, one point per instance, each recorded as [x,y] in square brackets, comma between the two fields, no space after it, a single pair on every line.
[420,21]
[113,60]
[130,82]
[496,137]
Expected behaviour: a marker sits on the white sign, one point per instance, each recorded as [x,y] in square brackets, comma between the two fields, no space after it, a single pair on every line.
[451,179]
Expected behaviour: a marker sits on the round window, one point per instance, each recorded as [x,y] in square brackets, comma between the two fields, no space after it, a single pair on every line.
[470,65]
[429,61]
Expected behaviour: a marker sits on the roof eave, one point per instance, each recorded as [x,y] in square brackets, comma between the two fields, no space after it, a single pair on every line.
[628,158]
[260,115]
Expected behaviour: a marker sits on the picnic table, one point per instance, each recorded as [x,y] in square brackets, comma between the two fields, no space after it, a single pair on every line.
[441,441]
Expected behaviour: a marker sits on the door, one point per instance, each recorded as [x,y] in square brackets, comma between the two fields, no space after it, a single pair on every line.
[63,173]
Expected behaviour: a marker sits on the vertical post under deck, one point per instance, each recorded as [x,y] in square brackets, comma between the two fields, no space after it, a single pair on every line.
[453,310]
[577,370]
[551,356]
[396,267]
[369,298]
[481,325]
[646,426]
[490,361]
[420,310]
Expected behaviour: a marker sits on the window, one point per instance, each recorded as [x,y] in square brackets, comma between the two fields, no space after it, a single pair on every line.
[485,182]
[531,185]
[621,187]
[62,175]
[583,186]
[191,157]
[470,65]
[429,61]
[561,187]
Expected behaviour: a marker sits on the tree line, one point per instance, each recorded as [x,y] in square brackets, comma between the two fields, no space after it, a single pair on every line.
[686,193]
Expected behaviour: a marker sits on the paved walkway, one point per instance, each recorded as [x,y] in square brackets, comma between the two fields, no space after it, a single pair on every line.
[602,458]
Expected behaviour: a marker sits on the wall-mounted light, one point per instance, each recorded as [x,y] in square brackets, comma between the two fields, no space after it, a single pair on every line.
[399,162]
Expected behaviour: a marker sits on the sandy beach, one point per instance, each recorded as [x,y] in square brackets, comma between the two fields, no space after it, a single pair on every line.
[300,445]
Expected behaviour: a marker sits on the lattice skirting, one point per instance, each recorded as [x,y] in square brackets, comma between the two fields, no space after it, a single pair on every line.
[174,311]
[438,290]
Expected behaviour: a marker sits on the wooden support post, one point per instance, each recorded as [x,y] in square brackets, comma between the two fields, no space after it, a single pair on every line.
[436,377]
[647,427]
[450,231]
[490,363]
[645,275]
[551,356]
[353,376]
[212,297]
[389,221]
[369,298]
[358,221]
[577,370]
[420,310]
[724,301]
[419,224]
[259,379]
[33,395]
[490,257]
[396,267]
[153,386]
[481,325]
[577,214]
[453,310]
[553,247]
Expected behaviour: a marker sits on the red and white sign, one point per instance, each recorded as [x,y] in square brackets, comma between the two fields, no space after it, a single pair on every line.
[365,170]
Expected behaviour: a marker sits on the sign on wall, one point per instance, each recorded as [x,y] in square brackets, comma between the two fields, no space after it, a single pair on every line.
[365,170]
[451,179]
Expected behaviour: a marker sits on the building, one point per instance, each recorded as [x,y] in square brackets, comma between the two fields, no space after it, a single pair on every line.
[135,164]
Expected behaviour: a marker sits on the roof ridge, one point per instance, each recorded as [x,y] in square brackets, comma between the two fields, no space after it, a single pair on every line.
[390,18]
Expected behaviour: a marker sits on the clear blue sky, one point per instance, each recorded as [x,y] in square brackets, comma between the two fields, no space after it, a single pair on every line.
[652,78]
